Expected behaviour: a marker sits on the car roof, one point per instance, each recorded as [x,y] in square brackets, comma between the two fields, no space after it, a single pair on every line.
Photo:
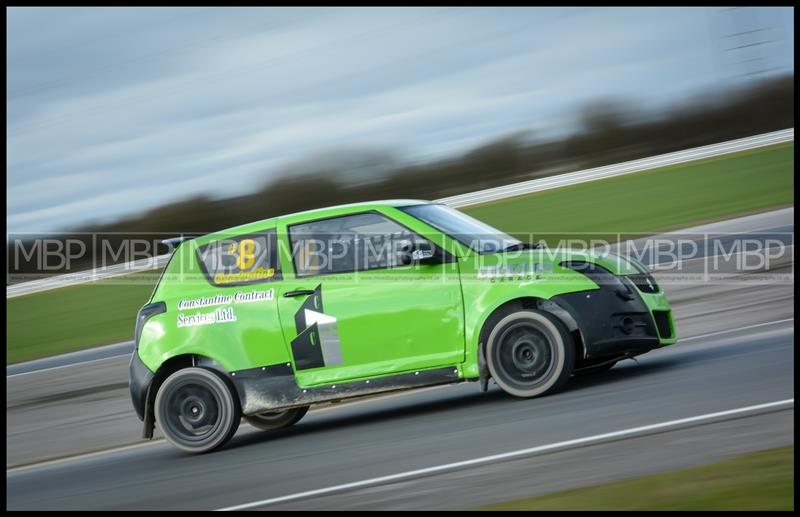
[316,213]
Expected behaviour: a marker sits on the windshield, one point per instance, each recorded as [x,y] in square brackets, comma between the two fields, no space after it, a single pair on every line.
[469,231]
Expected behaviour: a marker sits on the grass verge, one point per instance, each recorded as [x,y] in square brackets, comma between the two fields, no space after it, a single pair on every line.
[652,201]
[78,317]
[759,481]
[75,317]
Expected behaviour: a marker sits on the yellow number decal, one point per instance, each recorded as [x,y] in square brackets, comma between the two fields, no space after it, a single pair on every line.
[247,256]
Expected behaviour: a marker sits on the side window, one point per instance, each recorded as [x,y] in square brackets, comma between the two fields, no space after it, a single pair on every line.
[351,243]
[241,260]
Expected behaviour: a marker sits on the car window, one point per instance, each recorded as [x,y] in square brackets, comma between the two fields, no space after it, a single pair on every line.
[241,260]
[351,243]
[467,230]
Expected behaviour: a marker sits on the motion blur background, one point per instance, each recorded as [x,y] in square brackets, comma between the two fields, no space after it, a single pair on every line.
[145,123]
[197,119]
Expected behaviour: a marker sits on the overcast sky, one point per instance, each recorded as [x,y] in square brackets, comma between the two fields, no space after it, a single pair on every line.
[113,111]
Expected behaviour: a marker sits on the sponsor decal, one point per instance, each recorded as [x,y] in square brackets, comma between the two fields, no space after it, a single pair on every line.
[515,272]
[220,299]
[227,299]
[254,296]
[220,315]
[260,273]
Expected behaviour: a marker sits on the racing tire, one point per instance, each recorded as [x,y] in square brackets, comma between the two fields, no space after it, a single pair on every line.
[197,410]
[272,420]
[530,353]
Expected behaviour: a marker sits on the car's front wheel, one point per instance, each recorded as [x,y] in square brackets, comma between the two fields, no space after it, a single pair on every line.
[277,419]
[530,353]
[197,410]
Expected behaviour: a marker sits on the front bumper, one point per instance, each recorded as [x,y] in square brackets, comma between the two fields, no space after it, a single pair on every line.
[139,381]
[613,325]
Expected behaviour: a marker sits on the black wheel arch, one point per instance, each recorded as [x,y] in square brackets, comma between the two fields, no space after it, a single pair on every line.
[520,304]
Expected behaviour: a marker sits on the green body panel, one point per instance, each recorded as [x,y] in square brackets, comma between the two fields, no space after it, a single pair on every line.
[390,321]
[377,337]
[255,338]
[658,302]
[529,274]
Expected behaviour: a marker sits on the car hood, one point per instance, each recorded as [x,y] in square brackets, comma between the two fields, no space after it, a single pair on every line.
[617,264]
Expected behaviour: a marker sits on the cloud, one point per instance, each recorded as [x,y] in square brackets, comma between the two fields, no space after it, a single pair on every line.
[113,111]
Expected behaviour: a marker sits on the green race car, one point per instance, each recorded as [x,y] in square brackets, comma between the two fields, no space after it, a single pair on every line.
[264,320]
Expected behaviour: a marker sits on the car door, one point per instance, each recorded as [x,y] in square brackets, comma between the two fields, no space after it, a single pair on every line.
[351,308]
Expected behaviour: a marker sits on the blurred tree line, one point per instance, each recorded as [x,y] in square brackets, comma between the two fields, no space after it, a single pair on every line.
[610,131]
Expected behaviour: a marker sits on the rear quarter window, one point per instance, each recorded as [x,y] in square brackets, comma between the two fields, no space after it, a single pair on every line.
[241,260]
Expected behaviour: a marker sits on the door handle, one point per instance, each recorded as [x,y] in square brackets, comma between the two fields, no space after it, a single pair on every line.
[298,292]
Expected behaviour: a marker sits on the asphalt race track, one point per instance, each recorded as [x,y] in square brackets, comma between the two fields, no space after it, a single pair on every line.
[736,350]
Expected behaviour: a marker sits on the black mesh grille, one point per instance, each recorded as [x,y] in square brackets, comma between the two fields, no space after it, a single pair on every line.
[645,282]
[662,322]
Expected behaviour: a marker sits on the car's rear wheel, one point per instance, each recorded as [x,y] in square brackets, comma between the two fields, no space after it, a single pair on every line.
[277,419]
[530,353]
[197,410]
